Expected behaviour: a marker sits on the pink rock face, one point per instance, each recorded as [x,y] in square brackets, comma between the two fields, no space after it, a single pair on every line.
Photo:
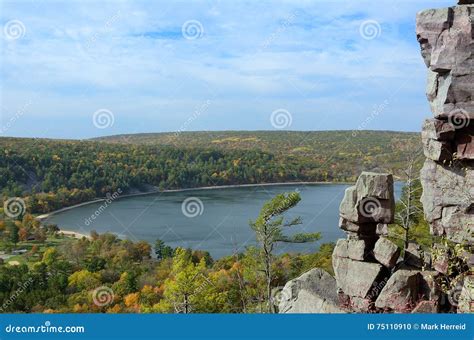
[448,193]
[465,146]
[426,307]
[436,150]
[446,39]
[401,291]
[438,130]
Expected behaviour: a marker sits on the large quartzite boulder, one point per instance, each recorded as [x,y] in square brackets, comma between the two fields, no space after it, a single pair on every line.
[371,200]
[355,249]
[401,291]
[312,292]
[356,278]
[386,252]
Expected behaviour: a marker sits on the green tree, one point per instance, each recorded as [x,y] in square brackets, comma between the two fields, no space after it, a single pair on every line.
[268,228]
[13,232]
[163,251]
[127,283]
[186,284]
[50,256]
[84,280]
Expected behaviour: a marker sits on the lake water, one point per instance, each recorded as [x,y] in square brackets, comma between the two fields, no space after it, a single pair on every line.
[216,220]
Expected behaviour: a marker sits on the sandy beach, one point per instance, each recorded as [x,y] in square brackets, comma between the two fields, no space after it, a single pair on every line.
[74,234]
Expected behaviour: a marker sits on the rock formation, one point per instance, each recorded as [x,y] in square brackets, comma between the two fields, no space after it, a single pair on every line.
[369,274]
[312,292]
[362,261]
[446,39]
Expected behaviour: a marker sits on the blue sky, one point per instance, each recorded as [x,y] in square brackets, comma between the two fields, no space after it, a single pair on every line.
[155,66]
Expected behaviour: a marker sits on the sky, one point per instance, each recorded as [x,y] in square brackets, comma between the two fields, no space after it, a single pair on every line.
[82,69]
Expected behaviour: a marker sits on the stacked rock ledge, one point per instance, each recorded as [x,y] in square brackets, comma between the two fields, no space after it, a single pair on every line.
[365,211]
[446,38]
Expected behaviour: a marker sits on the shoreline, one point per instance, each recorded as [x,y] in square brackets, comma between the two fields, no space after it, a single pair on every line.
[74,234]
[44,217]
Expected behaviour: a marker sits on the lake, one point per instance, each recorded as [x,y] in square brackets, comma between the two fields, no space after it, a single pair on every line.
[215,220]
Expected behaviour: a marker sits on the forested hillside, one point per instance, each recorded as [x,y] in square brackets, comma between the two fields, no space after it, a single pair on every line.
[326,155]
[344,145]
[58,173]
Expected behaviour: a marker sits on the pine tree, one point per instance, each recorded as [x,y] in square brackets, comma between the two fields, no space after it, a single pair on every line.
[269,230]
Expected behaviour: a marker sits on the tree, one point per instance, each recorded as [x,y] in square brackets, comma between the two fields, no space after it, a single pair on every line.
[84,280]
[126,284]
[142,250]
[50,256]
[40,235]
[95,264]
[13,232]
[409,210]
[23,234]
[52,229]
[268,228]
[163,251]
[183,290]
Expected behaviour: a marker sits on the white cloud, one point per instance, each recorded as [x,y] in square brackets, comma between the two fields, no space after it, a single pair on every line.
[253,56]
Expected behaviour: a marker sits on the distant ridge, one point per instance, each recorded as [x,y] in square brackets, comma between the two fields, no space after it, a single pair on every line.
[346,152]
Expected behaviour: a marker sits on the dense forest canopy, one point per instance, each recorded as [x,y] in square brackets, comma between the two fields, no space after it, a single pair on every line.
[57,173]
[338,155]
